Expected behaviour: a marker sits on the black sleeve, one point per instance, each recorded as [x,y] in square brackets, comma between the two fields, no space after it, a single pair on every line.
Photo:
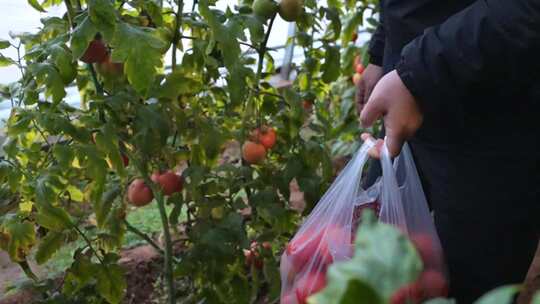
[491,42]
[376,45]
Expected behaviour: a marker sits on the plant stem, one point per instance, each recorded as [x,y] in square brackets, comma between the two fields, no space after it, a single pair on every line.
[168,247]
[143,236]
[28,271]
[99,88]
[89,244]
[176,37]
[261,51]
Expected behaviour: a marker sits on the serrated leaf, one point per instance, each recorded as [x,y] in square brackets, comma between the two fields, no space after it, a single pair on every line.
[111,283]
[48,215]
[179,83]
[35,4]
[47,74]
[63,61]
[384,259]
[63,154]
[102,207]
[81,36]
[49,245]
[501,295]
[5,61]
[17,238]
[330,68]
[107,142]
[102,14]
[4,44]
[140,50]
[81,272]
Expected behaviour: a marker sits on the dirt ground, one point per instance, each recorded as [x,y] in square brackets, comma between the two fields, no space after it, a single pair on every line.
[142,265]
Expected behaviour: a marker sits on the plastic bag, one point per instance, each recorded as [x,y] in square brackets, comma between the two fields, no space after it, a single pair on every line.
[328,234]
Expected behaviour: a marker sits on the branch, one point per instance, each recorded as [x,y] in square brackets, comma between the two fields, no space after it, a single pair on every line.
[143,236]
[176,37]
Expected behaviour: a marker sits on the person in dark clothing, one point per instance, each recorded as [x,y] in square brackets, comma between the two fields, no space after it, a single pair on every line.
[460,81]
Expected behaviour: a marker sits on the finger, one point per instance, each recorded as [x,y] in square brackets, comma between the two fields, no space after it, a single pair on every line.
[371,112]
[375,151]
[366,136]
[394,144]
[360,96]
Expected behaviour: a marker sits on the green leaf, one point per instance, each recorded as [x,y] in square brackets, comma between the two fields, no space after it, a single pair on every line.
[63,154]
[5,61]
[35,4]
[111,283]
[351,25]
[4,44]
[81,36]
[17,237]
[179,83]
[49,245]
[102,14]
[140,50]
[107,142]
[48,215]
[47,74]
[63,61]
[330,68]
[102,207]
[384,260]
[79,274]
[501,295]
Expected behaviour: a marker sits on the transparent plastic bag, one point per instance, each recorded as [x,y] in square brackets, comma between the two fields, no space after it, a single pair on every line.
[328,233]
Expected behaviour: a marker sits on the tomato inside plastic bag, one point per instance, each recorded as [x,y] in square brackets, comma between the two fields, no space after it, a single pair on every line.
[328,234]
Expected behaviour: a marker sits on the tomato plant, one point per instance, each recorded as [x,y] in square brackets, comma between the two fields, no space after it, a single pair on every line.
[163,86]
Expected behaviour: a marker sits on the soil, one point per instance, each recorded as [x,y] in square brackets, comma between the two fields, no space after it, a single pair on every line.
[142,265]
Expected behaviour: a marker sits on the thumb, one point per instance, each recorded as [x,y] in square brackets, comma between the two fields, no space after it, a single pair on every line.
[394,143]
[370,113]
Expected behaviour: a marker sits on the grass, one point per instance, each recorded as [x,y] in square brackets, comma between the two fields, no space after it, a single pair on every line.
[146,219]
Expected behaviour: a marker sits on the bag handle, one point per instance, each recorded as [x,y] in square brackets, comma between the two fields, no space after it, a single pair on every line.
[392,211]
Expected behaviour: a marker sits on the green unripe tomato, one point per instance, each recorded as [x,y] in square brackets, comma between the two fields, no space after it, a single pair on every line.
[264,8]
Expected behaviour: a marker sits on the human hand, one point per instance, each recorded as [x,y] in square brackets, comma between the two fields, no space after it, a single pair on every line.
[394,102]
[371,75]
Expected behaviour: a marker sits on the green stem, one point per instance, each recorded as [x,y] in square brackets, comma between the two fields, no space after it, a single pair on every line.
[169,278]
[143,236]
[89,244]
[28,271]
[99,88]
[176,37]
[261,51]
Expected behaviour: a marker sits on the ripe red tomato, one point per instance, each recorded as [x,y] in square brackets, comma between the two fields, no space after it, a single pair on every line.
[288,298]
[408,294]
[426,250]
[96,52]
[253,153]
[309,284]
[302,247]
[433,285]
[335,245]
[169,182]
[359,68]
[139,194]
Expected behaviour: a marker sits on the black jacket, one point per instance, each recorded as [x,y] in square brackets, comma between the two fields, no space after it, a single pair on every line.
[473,66]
